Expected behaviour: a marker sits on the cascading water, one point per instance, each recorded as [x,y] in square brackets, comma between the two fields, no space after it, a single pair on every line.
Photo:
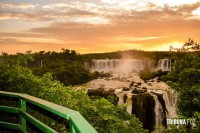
[164,64]
[121,99]
[129,103]
[170,101]
[165,105]
[118,65]
[151,101]
[159,111]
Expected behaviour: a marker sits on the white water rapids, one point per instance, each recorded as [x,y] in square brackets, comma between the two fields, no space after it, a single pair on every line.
[126,71]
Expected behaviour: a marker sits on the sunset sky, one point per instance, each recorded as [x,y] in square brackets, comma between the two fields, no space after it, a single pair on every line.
[97,25]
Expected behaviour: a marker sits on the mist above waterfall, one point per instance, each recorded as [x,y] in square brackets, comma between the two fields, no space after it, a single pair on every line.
[127,66]
[124,66]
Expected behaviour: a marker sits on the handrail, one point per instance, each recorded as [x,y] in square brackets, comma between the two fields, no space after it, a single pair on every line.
[77,123]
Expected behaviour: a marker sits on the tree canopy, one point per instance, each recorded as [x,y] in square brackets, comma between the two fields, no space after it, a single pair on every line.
[15,76]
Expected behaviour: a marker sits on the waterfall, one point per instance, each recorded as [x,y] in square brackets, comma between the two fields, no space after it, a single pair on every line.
[121,99]
[164,64]
[165,105]
[170,101]
[153,102]
[150,114]
[152,107]
[159,112]
[125,65]
[118,65]
[129,103]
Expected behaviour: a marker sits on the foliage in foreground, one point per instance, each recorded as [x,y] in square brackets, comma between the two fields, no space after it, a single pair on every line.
[103,116]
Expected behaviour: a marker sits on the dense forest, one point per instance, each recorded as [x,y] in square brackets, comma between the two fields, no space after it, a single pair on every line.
[15,76]
[135,54]
[185,79]
[52,76]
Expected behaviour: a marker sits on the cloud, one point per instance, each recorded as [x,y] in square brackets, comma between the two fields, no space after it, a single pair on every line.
[196,14]
[91,13]
[7,35]
[104,27]
[136,39]
[131,29]
[61,12]
[76,16]
[26,16]
[172,2]
[17,6]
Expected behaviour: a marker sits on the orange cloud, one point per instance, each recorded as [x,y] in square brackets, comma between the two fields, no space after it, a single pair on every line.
[90,27]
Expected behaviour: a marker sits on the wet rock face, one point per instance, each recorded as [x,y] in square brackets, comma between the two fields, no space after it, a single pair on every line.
[148,100]
[137,91]
[125,89]
[131,84]
[144,88]
[143,108]
[125,98]
[139,83]
[149,84]
[135,84]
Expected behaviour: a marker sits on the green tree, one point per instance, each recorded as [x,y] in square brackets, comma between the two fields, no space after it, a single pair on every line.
[185,79]
[190,45]
[103,115]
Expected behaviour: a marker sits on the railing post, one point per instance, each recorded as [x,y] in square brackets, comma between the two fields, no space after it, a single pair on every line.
[72,130]
[22,120]
[76,121]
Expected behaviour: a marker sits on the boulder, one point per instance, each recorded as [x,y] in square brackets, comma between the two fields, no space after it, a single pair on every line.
[125,89]
[144,88]
[136,86]
[131,84]
[139,83]
[137,91]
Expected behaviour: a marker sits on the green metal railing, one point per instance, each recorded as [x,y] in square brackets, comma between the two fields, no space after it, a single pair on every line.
[77,123]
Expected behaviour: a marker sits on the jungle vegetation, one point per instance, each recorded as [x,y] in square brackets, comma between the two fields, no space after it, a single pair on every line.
[52,75]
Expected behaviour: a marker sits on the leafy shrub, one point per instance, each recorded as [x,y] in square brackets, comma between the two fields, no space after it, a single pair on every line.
[147,74]
[160,73]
